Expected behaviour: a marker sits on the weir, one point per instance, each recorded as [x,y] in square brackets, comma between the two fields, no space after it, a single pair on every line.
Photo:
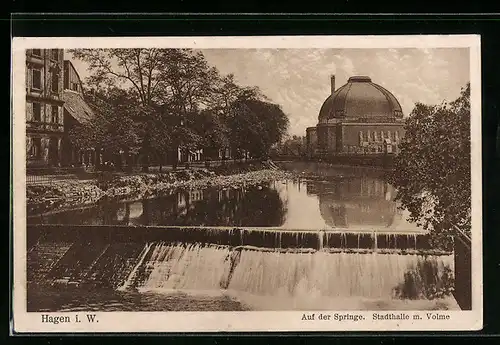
[256,237]
[270,269]
[363,257]
[262,278]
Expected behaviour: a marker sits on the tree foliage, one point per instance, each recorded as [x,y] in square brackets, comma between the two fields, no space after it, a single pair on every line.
[432,171]
[138,69]
[113,127]
[291,146]
[256,126]
[212,129]
[172,98]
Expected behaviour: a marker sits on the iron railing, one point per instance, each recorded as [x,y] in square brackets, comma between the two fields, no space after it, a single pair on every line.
[45,175]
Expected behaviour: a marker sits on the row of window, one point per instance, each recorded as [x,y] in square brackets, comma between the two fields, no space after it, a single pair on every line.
[376,136]
[371,149]
[37,112]
[54,53]
[35,149]
[36,80]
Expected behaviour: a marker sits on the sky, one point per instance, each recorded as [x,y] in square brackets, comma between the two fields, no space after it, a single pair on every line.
[299,79]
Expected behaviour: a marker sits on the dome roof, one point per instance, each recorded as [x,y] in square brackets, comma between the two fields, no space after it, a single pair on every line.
[360,98]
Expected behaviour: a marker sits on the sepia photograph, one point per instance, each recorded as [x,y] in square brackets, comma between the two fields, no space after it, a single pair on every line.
[334,179]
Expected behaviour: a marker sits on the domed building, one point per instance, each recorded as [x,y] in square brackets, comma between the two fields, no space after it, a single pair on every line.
[360,117]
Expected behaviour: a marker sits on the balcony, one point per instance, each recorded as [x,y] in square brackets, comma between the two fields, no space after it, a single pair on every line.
[45,126]
[35,59]
[44,95]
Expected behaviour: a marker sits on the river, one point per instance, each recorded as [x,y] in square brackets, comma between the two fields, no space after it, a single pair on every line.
[98,274]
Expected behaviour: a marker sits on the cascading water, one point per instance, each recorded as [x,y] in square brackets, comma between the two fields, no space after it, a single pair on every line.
[365,250]
[263,277]
[180,267]
[329,274]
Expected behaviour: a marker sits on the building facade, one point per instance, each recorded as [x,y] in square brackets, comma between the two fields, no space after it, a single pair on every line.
[44,107]
[76,111]
[311,141]
[360,117]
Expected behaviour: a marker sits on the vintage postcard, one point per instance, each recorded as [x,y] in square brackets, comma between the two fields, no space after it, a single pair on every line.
[220,184]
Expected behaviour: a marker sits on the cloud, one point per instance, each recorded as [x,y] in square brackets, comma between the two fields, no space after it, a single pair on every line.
[299,79]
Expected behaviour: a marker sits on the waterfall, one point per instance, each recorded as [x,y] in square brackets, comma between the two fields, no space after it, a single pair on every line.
[336,275]
[322,274]
[294,276]
[195,267]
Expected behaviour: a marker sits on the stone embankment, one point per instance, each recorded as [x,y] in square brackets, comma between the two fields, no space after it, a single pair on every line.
[73,193]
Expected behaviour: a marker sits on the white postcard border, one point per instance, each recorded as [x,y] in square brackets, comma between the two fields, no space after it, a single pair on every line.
[253,320]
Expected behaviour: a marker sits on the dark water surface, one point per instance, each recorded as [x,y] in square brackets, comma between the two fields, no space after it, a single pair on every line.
[96,273]
[325,198]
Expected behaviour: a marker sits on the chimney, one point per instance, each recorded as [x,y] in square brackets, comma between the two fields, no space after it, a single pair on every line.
[332,79]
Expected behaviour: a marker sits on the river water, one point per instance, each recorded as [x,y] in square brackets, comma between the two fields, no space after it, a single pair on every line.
[98,274]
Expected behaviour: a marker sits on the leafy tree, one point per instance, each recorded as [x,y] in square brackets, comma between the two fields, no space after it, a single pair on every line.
[256,126]
[291,146]
[138,69]
[184,135]
[172,98]
[112,128]
[225,92]
[155,79]
[188,81]
[139,72]
[432,170]
[212,130]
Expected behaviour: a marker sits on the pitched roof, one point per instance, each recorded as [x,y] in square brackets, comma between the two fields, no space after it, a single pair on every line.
[77,107]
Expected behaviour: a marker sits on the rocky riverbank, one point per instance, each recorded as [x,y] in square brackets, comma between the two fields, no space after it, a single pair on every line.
[73,193]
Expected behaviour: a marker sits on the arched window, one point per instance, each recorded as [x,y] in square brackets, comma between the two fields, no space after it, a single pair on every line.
[396,135]
[388,134]
[360,137]
[382,135]
[368,135]
[375,135]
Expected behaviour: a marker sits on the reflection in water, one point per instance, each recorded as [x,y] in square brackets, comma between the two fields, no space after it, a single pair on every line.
[100,273]
[251,206]
[353,202]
